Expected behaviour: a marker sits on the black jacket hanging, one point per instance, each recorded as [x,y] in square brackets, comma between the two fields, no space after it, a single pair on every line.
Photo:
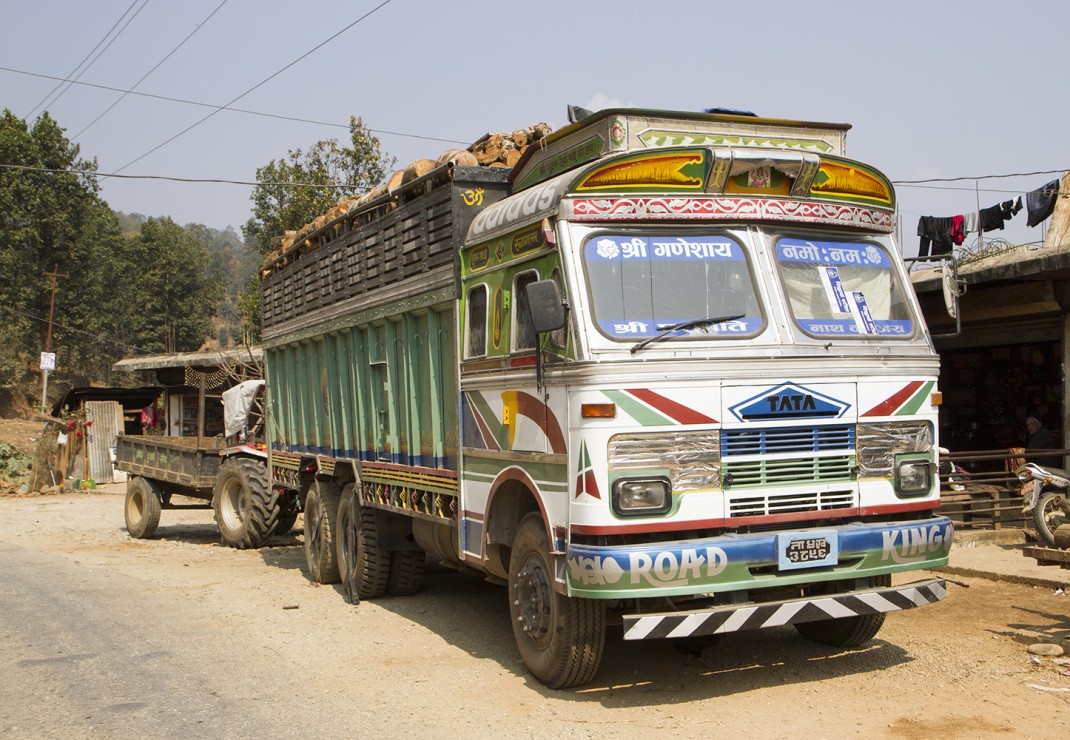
[1041,202]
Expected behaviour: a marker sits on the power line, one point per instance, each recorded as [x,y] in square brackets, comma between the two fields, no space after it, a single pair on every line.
[178,179]
[87,66]
[246,111]
[981,177]
[257,85]
[157,66]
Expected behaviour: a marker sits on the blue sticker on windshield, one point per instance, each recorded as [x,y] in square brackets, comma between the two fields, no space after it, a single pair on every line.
[697,248]
[637,328]
[831,253]
[886,327]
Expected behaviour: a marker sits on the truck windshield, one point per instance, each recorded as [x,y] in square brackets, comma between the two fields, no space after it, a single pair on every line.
[843,288]
[643,284]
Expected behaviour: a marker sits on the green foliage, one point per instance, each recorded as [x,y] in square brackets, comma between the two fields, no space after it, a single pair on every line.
[168,296]
[279,207]
[249,310]
[123,285]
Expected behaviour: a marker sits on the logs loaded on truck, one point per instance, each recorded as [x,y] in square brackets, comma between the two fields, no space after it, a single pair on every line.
[663,371]
[228,474]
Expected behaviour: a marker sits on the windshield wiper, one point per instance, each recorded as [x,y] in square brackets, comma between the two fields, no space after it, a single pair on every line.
[685,325]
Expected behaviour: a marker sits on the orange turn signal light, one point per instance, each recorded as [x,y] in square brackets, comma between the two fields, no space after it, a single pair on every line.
[598,410]
[936,399]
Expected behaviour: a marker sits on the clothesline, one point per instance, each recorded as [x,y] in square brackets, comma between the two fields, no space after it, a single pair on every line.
[941,234]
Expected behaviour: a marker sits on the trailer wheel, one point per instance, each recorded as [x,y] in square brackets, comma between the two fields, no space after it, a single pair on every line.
[406,572]
[246,506]
[365,567]
[288,512]
[1048,516]
[560,638]
[321,511]
[142,508]
[846,631]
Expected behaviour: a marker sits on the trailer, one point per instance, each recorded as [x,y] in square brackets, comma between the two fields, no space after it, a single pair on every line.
[227,474]
[665,372]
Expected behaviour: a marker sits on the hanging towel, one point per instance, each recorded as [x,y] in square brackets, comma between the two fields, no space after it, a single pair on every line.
[992,218]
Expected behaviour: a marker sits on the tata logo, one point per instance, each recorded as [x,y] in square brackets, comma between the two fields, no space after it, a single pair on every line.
[789,401]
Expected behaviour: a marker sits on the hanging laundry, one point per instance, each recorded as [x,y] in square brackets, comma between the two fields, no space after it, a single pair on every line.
[992,218]
[958,232]
[1041,202]
[935,231]
[969,225]
[1011,208]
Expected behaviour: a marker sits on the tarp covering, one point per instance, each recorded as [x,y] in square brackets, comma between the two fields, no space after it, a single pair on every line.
[236,404]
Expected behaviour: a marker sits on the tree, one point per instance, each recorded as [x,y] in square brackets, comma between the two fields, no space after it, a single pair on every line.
[51,219]
[283,202]
[167,296]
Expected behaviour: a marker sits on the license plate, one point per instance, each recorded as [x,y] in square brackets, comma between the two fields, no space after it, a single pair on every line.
[807,549]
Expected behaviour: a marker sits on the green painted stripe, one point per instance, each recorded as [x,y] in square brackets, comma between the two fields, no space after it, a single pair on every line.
[911,407]
[638,411]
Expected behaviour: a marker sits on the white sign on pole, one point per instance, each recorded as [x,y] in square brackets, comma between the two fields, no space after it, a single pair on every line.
[48,360]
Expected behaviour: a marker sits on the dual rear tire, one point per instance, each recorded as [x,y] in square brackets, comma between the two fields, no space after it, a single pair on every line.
[346,546]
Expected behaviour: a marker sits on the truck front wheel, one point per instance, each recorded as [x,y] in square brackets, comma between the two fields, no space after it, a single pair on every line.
[846,631]
[246,507]
[321,512]
[142,508]
[364,566]
[560,638]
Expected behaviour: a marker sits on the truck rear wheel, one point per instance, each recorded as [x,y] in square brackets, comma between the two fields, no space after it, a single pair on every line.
[560,638]
[246,507]
[406,572]
[846,631]
[288,512]
[142,508]
[321,512]
[365,567]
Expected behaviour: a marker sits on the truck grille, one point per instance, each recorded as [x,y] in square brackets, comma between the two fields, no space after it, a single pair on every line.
[787,456]
[790,503]
[787,439]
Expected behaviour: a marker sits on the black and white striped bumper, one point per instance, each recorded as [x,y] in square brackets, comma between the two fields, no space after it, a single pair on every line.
[738,617]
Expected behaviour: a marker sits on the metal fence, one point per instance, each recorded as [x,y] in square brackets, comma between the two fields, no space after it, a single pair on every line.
[983,492]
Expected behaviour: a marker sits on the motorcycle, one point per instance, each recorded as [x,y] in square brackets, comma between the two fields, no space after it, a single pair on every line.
[1048,502]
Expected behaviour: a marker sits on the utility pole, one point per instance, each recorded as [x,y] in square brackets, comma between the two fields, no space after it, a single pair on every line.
[48,360]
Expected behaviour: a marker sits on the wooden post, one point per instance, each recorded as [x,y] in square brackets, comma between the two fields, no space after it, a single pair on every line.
[200,411]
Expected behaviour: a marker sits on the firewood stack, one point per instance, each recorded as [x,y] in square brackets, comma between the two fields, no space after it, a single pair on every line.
[492,150]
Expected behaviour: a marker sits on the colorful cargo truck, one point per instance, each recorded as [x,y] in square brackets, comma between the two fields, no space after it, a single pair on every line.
[667,372]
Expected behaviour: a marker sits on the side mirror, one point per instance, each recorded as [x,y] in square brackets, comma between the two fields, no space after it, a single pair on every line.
[544,303]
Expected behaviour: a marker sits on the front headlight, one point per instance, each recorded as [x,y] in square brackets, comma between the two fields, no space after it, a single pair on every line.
[913,478]
[641,496]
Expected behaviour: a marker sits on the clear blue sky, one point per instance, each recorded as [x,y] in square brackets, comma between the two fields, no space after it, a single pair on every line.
[933,89]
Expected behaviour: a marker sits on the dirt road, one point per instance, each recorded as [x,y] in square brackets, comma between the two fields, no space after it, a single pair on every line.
[241,644]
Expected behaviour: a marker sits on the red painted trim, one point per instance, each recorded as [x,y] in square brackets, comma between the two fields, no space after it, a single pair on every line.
[670,526]
[889,405]
[527,361]
[675,411]
[441,472]
[534,409]
[927,504]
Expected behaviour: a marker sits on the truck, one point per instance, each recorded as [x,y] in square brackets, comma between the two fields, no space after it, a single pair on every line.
[665,372]
[227,474]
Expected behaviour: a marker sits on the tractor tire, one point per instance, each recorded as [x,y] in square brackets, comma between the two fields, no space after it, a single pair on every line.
[246,506]
[142,508]
[321,513]
[365,567]
[560,638]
